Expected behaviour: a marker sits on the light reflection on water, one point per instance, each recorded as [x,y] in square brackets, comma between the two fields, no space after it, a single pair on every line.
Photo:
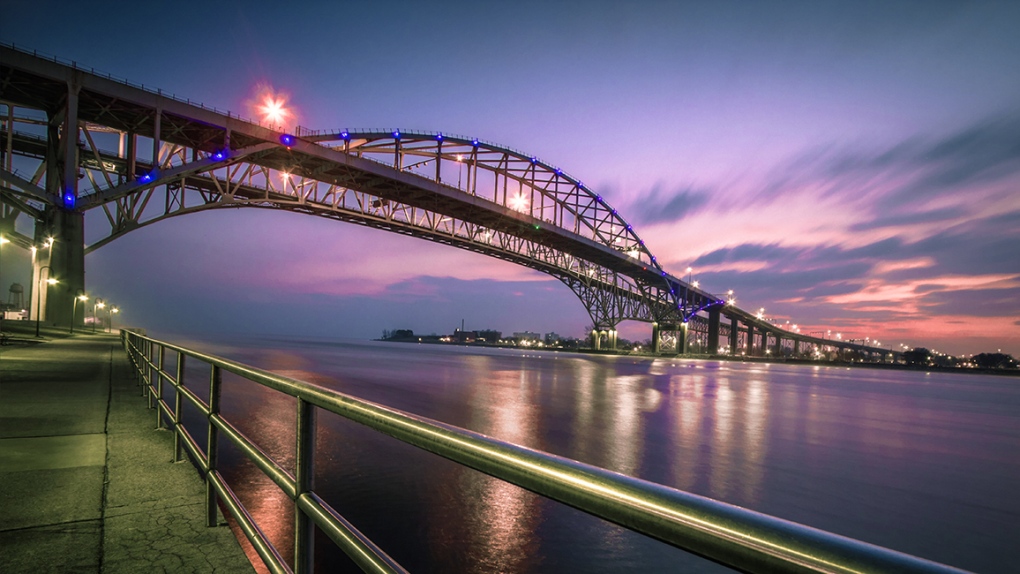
[924,464]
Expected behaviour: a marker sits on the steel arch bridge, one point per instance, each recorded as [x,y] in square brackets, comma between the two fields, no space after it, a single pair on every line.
[138,156]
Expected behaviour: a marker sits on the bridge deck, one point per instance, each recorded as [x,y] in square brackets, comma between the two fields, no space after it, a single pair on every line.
[86,483]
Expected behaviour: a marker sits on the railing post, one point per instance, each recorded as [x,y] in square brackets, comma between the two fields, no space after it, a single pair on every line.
[160,357]
[178,383]
[147,346]
[212,446]
[304,475]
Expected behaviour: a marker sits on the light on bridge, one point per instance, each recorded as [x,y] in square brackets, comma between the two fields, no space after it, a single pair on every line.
[518,202]
[271,106]
[287,140]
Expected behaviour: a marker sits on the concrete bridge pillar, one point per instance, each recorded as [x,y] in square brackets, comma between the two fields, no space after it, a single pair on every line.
[656,342]
[750,340]
[682,339]
[779,346]
[609,335]
[734,332]
[64,259]
[796,347]
[713,331]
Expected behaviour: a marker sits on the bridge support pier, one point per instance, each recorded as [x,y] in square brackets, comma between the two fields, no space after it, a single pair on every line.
[778,352]
[713,331]
[610,339]
[734,334]
[796,347]
[64,259]
[750,340]
[656,342]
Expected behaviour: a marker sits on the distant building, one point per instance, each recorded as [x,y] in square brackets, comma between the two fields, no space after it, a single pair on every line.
[552,338]
[489,336]
[527,336]
[464,336]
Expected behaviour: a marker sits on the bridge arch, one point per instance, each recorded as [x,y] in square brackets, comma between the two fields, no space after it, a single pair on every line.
[450,189]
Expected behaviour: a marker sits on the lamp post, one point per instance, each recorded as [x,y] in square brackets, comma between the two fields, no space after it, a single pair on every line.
[2,241]
[39,294]
[113,311]
[79,296]
[95,317]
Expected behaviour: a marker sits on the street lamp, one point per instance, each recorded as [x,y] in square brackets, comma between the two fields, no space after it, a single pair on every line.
[113,311]
[39,294]
[95,317]
[74,307]
[2,241]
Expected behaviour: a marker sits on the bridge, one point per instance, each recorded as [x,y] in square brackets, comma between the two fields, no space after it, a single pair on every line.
[136,155]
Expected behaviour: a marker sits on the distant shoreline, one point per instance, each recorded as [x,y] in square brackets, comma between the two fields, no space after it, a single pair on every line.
[425,340]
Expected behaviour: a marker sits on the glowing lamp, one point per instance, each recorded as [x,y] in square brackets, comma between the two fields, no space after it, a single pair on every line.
[344,135]
[146,178]
[534,160]
[287,140]
[220,155]
[69,200]
[439,137]
[396,134]
[475,142]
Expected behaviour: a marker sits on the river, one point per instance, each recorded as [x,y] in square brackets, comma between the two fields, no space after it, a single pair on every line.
[924,463]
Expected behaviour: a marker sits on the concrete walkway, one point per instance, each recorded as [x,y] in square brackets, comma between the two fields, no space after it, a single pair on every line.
[86,483]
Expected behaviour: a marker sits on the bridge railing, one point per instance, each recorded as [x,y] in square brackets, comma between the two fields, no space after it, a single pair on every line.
[743,539]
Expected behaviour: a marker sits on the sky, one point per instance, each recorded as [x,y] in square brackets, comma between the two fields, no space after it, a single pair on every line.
[848,166]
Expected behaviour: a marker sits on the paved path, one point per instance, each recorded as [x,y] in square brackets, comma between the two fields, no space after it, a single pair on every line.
[86,483]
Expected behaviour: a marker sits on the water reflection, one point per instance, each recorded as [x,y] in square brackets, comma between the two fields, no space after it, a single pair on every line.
[843,450]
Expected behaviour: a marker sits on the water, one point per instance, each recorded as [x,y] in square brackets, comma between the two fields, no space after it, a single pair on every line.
[927,464]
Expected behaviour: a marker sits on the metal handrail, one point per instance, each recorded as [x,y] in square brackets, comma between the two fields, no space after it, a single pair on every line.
[742,539]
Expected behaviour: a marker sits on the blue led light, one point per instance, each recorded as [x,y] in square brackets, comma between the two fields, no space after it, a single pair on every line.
[558,172]
[534,159]
[146,177]
[287,140]
[475,142]
[663,273]
[598,198]
[439,137]
[642,242]
[344,135]
[219,156]
[69,200]
[629,228]
[396,135]
[614,212]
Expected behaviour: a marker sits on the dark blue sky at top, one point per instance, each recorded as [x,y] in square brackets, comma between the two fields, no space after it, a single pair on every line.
[851,165]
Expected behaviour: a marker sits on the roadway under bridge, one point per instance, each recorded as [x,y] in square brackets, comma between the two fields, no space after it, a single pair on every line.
[136,156]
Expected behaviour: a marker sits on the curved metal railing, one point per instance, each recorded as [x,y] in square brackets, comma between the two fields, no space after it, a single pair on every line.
[742,539]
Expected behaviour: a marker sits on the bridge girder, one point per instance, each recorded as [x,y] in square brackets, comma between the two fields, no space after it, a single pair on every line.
[505,203]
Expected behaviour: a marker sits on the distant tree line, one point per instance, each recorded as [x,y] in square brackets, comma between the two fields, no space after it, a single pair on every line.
[924,357]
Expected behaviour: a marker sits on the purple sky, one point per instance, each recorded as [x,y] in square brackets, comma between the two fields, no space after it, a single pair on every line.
[846,166]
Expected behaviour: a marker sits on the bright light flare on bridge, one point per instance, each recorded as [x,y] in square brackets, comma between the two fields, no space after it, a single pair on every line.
[272,106]
[518,202]
[273,110]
